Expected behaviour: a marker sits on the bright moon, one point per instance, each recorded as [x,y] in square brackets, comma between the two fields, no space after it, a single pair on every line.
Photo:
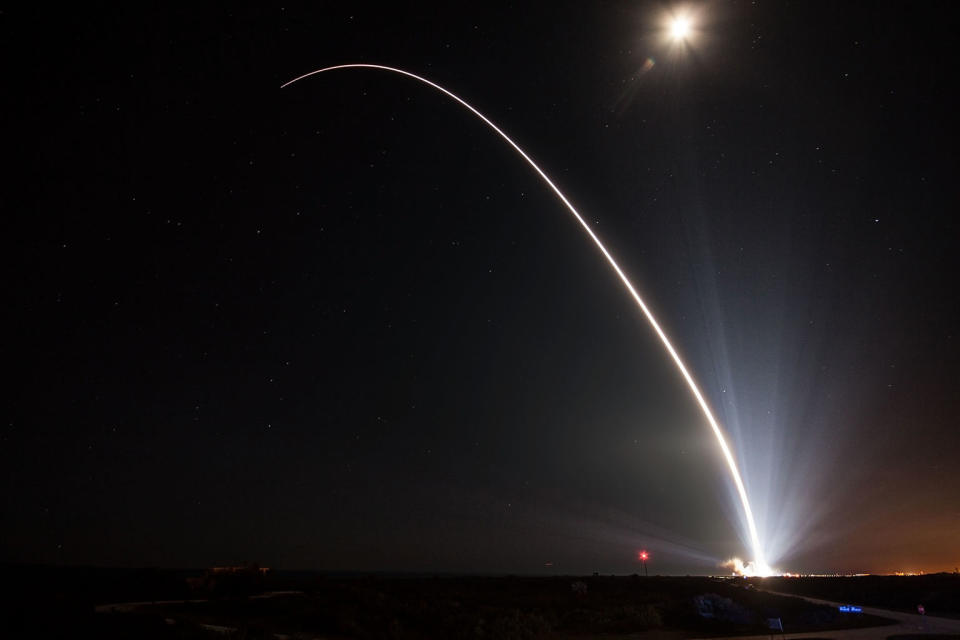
[680,28]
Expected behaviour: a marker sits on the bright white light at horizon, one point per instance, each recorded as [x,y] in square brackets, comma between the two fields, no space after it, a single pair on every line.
[680,28]
[751,569]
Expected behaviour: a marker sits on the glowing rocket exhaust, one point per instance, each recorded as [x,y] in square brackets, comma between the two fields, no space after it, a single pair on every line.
[759,562]
[748,570]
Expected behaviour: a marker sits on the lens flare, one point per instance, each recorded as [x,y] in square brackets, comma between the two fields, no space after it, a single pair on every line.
[759,562]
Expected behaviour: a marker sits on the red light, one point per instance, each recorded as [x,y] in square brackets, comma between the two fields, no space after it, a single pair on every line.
[643,555]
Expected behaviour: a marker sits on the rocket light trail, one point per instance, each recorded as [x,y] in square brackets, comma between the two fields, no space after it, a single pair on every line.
[759,562]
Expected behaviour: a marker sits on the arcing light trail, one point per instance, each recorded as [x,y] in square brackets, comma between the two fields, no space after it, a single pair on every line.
[759,562]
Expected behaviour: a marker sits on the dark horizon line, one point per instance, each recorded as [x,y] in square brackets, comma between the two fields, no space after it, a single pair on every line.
[427,574]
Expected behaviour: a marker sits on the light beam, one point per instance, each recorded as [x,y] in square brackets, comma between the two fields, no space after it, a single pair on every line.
[759,560]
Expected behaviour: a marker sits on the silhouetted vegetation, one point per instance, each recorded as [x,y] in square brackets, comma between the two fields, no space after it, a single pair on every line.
[60,602]
[515,607]
[229,582]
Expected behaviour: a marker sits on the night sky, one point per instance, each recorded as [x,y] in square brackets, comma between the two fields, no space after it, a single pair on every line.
[343,326]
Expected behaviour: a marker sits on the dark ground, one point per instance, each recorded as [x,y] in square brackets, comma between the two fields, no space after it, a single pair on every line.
[48,602]
[939,593]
